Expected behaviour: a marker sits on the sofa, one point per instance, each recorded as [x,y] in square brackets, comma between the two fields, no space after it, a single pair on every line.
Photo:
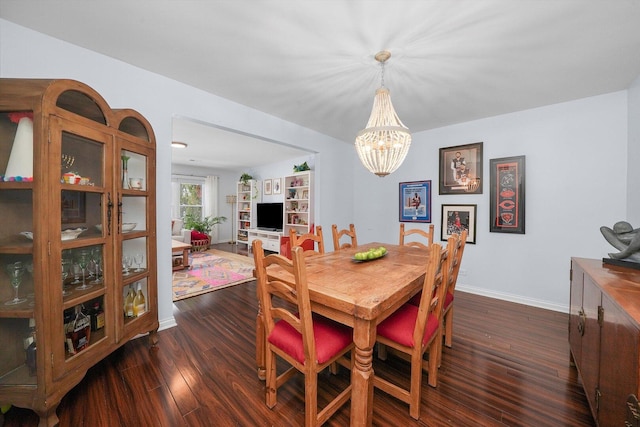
[178,232]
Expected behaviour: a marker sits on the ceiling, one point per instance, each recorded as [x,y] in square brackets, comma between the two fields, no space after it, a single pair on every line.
[311,62]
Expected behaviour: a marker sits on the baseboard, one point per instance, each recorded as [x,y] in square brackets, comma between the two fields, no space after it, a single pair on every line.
[513,298]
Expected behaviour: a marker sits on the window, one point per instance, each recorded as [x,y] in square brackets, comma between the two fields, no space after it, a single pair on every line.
[187,197]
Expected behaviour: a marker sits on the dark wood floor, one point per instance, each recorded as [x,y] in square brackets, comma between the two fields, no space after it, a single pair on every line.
[509,366]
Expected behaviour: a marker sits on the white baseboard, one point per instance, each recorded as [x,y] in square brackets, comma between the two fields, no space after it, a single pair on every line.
[513,298]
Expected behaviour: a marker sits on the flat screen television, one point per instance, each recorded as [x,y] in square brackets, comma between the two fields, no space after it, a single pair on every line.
[270,216]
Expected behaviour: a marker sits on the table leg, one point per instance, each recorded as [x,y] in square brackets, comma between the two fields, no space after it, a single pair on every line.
[185,257]
[364,337]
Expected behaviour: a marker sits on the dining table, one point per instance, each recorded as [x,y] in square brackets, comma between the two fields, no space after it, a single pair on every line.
[359,294]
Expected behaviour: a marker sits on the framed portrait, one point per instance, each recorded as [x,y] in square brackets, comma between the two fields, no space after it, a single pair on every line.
[457,218]
[267,187]
[415,201]
[277,186]
[74,209]
[461,169]
[506,195]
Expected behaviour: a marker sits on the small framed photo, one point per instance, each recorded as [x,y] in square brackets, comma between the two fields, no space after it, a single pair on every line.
[461,169]
[415,201]
[457,218]
[73,207]
[277,186]
[267,187]
[506,195]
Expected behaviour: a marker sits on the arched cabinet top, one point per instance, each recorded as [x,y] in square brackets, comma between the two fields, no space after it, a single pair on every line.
[48,96]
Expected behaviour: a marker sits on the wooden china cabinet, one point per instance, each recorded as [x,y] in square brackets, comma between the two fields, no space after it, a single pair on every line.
[77,206]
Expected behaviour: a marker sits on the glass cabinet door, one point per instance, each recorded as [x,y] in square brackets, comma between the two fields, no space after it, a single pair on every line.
[134,222]
[17,274]
[84,212]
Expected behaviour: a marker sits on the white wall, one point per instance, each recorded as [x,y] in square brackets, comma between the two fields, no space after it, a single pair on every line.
[28,54]
[575,183]
[576,168]
[633,159]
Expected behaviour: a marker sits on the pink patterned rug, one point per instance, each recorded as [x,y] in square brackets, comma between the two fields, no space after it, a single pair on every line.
[210,271]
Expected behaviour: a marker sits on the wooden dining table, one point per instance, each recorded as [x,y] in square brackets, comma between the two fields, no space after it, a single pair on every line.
[360,295]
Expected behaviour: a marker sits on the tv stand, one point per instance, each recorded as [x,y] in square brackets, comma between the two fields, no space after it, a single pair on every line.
[270,239]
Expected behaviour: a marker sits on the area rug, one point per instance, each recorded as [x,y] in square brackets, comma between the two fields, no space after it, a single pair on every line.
[209,271]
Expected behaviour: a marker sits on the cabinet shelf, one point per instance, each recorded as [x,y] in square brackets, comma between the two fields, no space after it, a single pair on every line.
[20,311]
[19,376]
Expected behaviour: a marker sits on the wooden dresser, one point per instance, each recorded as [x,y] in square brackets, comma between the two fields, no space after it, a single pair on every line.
[604,336]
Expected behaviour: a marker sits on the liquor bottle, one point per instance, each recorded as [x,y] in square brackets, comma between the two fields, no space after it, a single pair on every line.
[79,334]
[30,348]
[97,317]
[128,303]
[139,302]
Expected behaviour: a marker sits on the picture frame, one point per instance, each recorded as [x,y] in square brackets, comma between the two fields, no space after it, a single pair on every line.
[74,207]
[415,201]
[267,187]
[456,218]
[277,186]
[461,169]
[507,195]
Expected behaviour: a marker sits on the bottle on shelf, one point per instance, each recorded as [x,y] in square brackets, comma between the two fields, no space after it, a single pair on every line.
[30,348]
[128,303]
[139,302]
[97,316]
[79,332]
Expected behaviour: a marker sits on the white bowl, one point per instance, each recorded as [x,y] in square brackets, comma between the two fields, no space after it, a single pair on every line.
[68,234]
[128,226]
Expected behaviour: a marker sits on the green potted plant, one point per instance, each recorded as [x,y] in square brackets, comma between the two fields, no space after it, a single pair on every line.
[245,177]
[203,225]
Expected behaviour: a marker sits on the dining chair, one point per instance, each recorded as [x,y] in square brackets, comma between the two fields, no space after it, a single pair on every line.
[412,330]
[308,342]
[455,258]
[316,238]
[337,235]
[418,232]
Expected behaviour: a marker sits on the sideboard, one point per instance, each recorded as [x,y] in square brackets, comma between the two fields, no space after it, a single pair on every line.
[604,337]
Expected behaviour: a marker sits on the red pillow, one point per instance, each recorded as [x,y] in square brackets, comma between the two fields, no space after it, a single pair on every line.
[196,235]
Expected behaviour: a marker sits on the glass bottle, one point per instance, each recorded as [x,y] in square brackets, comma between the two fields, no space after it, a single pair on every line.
[97,317]
[139,302]
[79,332]
[128,303]
[30,344]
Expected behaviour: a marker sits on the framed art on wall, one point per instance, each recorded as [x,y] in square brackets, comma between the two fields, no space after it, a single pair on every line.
[415,201]
[267,187]
[461,169]
[506,195]
[456,218]
[277,186]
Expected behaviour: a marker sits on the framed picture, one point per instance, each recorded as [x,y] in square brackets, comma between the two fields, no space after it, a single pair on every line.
[415,201]
[506,195]
[277,186]
[461,169]
[74,208]
[457,218]
[267,187]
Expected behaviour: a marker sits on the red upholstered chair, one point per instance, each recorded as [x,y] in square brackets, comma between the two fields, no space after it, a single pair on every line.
[418,232]
[316,239]
[413,330]
[337,235]
[309,343]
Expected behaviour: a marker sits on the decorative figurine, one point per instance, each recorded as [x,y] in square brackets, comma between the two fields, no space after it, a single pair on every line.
[624,238]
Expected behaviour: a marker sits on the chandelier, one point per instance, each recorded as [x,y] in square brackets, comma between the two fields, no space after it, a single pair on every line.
[383,145]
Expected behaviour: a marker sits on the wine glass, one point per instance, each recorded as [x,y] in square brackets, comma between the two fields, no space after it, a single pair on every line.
[76,274]
[15,271]
[138,259]
[83,261]
[96,261]
[66,266]
[126,264]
